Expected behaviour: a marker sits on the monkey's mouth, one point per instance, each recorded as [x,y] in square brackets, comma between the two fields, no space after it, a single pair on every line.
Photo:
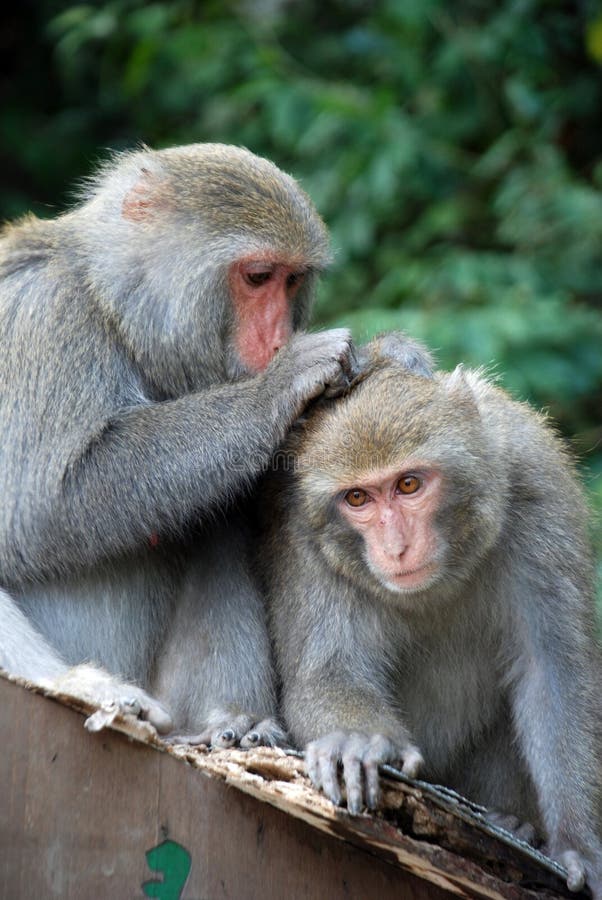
[410,579]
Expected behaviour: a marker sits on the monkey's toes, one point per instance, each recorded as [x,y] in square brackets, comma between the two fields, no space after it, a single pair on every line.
[226,737]
[246,732]
[266,733]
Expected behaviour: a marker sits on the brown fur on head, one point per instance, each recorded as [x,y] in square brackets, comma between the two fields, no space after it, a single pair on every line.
[388,421]
[237,197]
[171,240]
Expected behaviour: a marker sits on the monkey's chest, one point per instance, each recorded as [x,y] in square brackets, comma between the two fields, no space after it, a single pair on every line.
[449,697]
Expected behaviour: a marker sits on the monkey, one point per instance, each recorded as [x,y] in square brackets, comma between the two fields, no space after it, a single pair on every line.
[154,353]
[429,583]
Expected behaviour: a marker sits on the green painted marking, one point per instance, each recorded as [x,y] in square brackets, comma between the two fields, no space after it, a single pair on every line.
[173,861]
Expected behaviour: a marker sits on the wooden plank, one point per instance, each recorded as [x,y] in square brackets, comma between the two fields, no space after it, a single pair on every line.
[79,812]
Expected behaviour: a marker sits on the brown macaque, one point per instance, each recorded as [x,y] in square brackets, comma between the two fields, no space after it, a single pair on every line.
[152,360]
[431,604]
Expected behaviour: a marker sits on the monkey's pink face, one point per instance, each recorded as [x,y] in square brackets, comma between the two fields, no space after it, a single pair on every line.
[395,513]
[262,293]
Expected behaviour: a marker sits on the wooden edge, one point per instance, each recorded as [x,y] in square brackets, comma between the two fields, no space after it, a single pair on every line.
[411,831]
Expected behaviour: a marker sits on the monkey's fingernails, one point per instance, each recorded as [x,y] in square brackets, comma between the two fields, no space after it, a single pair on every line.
[352,773]
[330,780]
[251,739]
[224,739]
[575,880]
[354,802]
[372,785]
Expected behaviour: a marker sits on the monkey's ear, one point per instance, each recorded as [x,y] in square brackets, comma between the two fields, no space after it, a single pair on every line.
[458,386]
[145,199]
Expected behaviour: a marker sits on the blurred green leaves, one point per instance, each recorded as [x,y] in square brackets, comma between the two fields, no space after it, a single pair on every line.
[455,150]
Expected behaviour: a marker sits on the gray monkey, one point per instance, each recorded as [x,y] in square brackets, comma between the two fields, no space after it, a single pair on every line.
[430,588]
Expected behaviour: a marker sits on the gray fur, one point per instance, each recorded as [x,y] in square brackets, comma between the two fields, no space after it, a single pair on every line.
[492,672]
[127,419]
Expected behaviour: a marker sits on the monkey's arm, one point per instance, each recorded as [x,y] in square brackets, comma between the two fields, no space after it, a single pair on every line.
[556,706]
[546,587]
[26,653]
[23,650]
[151,468]
[557,673]
[335,700]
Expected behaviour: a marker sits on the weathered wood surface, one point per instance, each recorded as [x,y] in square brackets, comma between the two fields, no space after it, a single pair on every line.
[79,812]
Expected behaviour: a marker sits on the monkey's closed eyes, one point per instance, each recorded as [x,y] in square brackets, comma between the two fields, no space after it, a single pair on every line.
[162,345]
[258,278]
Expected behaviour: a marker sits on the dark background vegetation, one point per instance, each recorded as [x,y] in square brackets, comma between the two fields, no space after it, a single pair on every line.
[454,149]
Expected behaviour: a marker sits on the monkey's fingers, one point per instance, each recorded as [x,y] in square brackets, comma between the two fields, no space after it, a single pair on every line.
[413,761]
[329,776]
[322,762]
[575,866]
[372,783]
[380,750]
[524,831]
[349,369]
[157,715]
[353,776]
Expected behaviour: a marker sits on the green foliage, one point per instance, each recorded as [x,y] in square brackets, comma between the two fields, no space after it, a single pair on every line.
[454,150]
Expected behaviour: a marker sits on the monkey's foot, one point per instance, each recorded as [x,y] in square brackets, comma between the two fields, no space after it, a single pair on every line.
[240,730]
[114,698]
[524,831]
[359,755]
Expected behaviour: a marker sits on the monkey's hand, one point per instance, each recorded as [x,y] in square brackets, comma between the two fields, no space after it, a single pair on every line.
[114,698]
[311,365]
[223,730]
[359,755]
[400,348]
[581,871]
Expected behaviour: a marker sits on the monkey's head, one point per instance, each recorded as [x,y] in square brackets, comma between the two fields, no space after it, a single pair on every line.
[398,483]
[205,249]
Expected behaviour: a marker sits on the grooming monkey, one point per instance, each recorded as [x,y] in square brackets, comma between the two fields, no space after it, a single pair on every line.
[430,590]
[151,362]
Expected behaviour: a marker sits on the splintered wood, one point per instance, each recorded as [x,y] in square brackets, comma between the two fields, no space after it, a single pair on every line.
[126,794]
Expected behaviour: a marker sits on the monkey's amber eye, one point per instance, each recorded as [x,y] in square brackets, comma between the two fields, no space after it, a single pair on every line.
[258,278]
[409,484]
[356,497]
